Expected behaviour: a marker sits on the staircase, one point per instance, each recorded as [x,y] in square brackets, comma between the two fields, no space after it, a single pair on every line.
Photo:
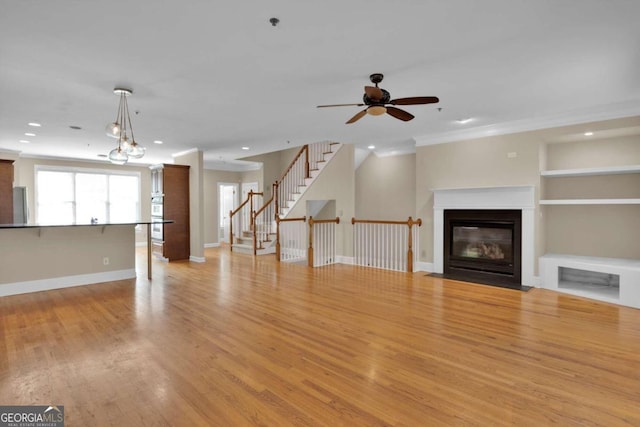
[254,231]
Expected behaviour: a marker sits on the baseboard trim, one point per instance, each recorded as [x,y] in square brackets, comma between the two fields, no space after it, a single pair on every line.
[536,282]
[424,266]
[196,258]
[340,259]
[17,288]
[212,245]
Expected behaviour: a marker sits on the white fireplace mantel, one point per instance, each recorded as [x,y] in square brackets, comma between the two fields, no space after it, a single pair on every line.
[509,197]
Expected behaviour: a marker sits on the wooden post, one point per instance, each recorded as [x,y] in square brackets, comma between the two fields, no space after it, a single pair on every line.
[306,161]
[411,223]
[250,210]
[276,191]
[277,237]
[255,232]
[410,251]
[310,250]
[231,228]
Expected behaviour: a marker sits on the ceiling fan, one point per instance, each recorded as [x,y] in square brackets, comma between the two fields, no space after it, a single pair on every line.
[378,101]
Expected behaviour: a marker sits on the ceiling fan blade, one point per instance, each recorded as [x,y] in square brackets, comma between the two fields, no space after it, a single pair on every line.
[340,105]
[373,92]
[416,100]
[400,114]
[357,117]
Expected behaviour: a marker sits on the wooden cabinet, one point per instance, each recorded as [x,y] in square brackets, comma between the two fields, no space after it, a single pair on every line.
[6,191]
[170,188]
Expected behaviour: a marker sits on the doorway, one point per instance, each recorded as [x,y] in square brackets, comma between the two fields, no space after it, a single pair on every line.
[227,201]
[246,187]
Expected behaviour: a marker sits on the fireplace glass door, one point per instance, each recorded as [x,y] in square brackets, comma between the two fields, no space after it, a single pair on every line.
[483,245]
[488,243]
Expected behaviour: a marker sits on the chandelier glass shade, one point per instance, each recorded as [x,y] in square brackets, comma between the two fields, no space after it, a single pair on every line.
[121,129]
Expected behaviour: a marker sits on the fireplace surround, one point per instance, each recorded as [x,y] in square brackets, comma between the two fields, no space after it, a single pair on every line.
[520,198]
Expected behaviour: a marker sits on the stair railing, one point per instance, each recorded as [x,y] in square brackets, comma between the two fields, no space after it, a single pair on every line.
[291,242]
[293,178]
[241,218]
[263,222]
[322,242]
[285,190]
[316,153]
[386,244]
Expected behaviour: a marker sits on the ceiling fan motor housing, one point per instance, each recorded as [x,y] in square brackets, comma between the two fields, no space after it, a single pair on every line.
[386,97]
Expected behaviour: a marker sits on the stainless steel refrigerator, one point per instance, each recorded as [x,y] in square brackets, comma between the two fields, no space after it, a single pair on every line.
[20,208]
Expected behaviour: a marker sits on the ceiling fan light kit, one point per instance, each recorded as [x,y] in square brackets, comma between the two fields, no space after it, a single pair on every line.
[126,148]
[378,102]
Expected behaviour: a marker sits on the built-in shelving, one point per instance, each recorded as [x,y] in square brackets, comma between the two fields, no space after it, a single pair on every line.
[608,170]
[624,291]
[611,170]
[590,202]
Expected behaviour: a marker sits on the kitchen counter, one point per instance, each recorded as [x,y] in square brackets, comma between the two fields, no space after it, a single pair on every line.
[37,257]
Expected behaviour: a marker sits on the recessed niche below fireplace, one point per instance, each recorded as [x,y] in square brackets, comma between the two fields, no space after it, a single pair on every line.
[483,246]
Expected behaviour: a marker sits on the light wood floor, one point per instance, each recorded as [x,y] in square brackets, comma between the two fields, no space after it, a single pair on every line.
[244,341]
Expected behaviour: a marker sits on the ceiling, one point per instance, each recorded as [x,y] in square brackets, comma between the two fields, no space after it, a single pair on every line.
[217,76]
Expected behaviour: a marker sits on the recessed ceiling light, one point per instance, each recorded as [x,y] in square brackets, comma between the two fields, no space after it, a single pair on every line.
[24,141]
[157,141]
[103,155]
[34,124]
[463,121]
[245,148]
[588,133]
[371,147]
[29,134]
[74,127]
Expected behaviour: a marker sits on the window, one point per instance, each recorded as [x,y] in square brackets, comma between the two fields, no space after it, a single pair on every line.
[73,195]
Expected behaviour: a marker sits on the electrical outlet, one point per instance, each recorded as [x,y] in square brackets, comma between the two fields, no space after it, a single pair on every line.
[105,260]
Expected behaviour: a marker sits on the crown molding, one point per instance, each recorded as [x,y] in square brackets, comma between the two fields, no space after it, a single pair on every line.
[595,114]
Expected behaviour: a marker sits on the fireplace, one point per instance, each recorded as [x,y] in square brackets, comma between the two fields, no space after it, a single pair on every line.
[483,246]
[520,198]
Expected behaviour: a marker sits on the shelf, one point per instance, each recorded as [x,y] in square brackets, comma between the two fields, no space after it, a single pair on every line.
[602,293]
[611,170]
[591,202]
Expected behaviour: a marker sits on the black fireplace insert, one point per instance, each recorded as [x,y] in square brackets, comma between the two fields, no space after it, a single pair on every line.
[483,246]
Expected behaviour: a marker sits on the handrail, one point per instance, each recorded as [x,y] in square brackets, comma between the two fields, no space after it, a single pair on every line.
[249,195]
[410,223]
[311,222]
[324,221]
[255,215]
[375,221]
[302,218]
[238,209]
[278,221]
[305,148]
[266,204]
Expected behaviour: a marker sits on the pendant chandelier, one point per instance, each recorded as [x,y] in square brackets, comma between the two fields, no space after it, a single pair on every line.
[122,130]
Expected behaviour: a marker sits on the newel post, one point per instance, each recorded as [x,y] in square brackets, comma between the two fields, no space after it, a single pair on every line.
[231,230]
[310,250]
[277,237]
[410,223]
[275,195]
[255,232]
[306,161]
[251,209]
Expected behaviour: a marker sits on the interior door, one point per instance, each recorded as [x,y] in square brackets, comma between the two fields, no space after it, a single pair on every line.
[227,202]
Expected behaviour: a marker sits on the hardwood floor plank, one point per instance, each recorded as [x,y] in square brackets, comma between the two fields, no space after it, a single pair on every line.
[239,340]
